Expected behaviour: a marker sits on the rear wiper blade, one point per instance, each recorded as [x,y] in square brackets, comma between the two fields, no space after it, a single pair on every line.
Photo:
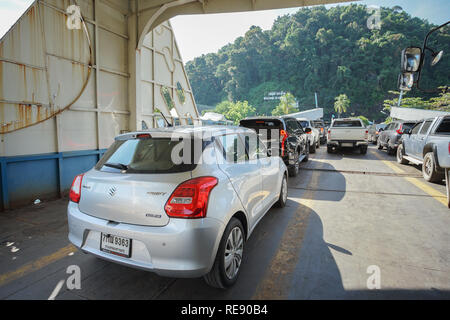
[120,166]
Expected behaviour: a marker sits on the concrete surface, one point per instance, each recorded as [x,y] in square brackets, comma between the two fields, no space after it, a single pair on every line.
[345,213]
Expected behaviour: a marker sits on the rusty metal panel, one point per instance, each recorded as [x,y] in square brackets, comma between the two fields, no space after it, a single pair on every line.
[111,18]
[26,33]
[111,125]
[39,138]
[23,84]
[79,130]
[109,42]
[66,81]
[113,92]
[63,42]
[86,6]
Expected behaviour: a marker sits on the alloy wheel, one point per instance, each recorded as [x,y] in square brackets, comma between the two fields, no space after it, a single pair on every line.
[233,252]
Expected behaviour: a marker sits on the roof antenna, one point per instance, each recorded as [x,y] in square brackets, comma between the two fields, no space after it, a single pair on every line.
[165,119]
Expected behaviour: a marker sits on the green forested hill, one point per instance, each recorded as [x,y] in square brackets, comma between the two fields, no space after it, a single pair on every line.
[318,50]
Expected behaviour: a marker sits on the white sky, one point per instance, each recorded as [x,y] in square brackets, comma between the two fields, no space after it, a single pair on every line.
[200,34]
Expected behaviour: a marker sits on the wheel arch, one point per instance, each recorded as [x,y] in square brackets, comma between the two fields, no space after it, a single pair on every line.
[243,219]
[431,147]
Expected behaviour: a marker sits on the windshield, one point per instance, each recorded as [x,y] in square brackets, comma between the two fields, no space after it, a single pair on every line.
[153,155]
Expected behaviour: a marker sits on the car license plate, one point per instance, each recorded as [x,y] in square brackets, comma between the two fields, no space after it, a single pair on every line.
[115,245]
[347,144]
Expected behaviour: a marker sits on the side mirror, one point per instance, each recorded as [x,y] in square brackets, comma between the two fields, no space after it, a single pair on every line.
[307,130]
[381,129]
[269,152]
[407,131]
[436,57]
[411,59]
[405,81]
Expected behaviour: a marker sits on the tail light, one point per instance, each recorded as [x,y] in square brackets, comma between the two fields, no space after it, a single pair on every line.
[399,130]
[321,130]
[75,190]
[190,199]
[449,148]
[329,135]
[367,134]
[283,137]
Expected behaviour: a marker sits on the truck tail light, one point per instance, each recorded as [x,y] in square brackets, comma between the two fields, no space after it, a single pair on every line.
[283,137]
[75,190]
[190,199]
[329,135]
[367,134]
[449,148]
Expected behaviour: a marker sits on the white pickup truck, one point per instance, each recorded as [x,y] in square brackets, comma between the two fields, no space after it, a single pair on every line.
[347,133]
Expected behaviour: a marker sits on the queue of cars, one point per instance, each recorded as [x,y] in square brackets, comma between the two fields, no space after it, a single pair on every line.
[185,206]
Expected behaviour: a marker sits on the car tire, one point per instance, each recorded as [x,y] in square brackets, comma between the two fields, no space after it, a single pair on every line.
[312,148]
[379,145]
[329,149]
[318,144]
[363,149]
[390,151]
[429,170]
[306,158]
[282,199]
[400,155]
[293,169]
[219,276]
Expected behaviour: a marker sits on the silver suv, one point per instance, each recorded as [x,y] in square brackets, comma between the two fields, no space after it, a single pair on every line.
[180,202]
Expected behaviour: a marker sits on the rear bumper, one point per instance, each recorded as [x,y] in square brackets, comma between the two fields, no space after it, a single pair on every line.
[184,248]
[343,143]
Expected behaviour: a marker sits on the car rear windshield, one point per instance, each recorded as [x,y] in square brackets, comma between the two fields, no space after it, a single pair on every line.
[151,155]
[347,123]
[262,124]
[444,127]
[317,124]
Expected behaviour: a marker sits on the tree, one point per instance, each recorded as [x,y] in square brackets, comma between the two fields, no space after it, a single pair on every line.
[235,111]
[287,105]
[239,111]
[341,104]
[316,49]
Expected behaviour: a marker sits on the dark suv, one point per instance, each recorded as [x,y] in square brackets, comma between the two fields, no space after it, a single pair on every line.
[290,142]
[389,138]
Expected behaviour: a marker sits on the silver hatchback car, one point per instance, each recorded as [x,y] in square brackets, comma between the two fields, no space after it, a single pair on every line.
[178,201]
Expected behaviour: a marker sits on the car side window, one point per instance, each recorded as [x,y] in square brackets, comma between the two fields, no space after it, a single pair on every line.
[291,126]
[425,127]
[256,149]
[416,128]
[233,148]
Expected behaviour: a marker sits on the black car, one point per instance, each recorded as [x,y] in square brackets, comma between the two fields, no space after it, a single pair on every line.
[291,142]
[389,138]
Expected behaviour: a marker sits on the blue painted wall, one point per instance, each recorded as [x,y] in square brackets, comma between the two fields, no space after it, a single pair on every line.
[43,176]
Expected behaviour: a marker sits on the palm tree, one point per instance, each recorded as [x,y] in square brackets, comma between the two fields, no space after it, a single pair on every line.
[286,106]
[341,103]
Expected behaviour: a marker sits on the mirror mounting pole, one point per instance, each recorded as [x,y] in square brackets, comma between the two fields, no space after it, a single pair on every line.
[422,57]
